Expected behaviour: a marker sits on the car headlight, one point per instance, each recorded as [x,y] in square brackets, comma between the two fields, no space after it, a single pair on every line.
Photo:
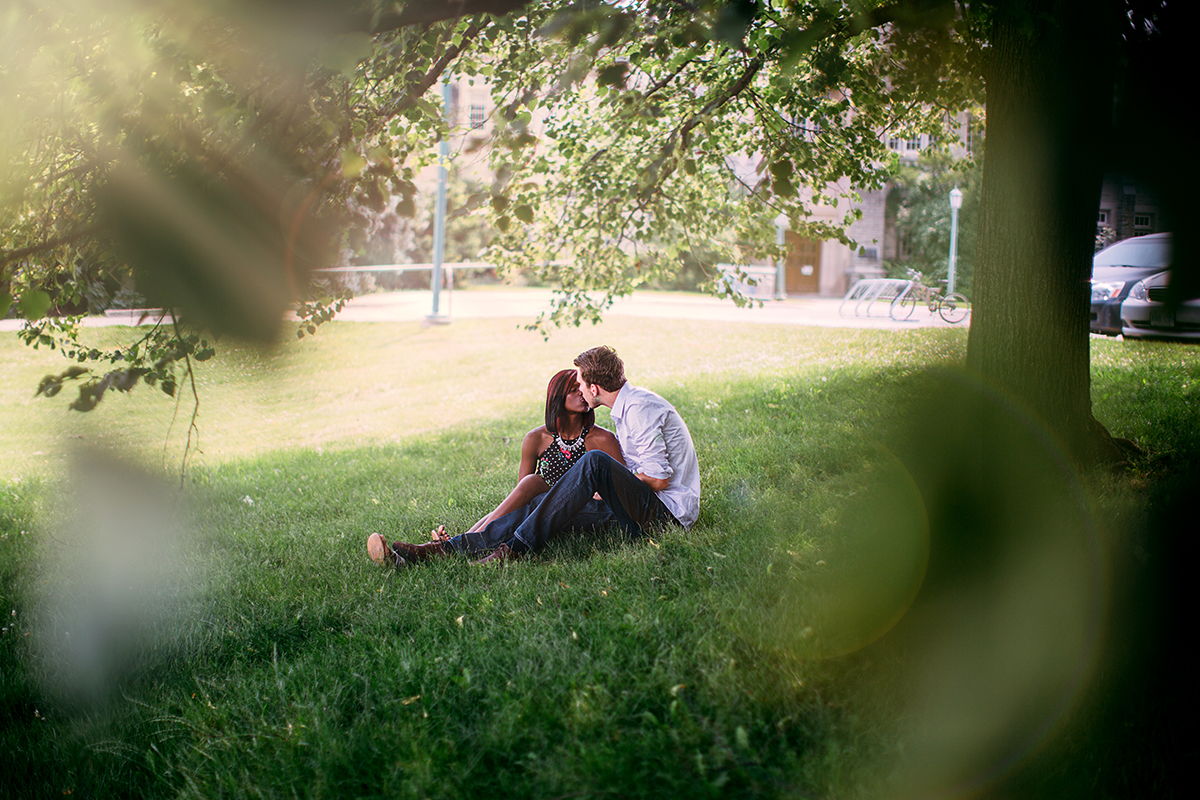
[1138,292]
[1106,291]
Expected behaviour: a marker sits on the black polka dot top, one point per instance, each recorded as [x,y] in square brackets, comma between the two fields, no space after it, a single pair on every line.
[561,455]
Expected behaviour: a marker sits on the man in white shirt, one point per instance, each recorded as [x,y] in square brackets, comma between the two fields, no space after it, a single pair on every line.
[660,485]
[654,439]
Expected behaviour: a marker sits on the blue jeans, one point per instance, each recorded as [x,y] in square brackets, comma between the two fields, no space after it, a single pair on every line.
[570,505]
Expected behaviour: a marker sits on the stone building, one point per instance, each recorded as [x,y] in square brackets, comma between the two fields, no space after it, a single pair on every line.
[1127,209]
[829,268]
[825,268]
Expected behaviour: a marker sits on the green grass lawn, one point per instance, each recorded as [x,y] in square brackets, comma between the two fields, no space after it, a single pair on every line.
[233,639]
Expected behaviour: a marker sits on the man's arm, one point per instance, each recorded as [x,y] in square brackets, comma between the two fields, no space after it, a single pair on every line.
[657,484]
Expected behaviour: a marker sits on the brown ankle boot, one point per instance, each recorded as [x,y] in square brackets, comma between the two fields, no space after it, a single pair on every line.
[500,555]
[416,553]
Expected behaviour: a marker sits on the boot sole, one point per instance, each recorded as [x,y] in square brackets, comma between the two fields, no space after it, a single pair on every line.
[378,550]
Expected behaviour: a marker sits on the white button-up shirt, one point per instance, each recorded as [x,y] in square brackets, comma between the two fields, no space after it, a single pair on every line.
[656,442]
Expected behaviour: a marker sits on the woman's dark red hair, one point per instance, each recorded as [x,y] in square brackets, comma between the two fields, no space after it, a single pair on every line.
[561,385]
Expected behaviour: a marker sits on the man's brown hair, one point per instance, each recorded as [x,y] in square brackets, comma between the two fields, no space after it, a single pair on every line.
[603,367]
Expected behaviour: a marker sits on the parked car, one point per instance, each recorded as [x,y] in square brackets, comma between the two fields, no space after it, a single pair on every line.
[1116,269]
[1145,311]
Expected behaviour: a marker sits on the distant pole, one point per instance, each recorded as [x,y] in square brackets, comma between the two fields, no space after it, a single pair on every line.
[955,205]
[439,217]
[781,262]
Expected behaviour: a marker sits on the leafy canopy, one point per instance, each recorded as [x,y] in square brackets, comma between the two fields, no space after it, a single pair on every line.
[670,129]
[205,157]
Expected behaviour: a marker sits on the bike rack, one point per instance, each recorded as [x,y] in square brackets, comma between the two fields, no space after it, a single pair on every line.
[869,291]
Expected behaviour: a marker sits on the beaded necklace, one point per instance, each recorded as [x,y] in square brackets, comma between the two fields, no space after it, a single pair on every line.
[571,449]
[561,455]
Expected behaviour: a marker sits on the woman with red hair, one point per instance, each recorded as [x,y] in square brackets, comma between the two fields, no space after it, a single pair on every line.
[551,449]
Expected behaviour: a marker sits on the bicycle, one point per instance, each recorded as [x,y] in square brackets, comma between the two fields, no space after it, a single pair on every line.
[952,307]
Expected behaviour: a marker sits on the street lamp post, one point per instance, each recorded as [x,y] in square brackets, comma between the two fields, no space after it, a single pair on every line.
[439,214]
[780,263]
[955,204]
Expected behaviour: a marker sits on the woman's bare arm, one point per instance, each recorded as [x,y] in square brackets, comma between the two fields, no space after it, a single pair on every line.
[535,442]
[529,483]
[526,489]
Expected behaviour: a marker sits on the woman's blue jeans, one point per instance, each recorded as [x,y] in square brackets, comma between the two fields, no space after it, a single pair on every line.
[570,505]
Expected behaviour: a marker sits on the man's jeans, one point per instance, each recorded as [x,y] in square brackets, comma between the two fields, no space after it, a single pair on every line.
[570,505]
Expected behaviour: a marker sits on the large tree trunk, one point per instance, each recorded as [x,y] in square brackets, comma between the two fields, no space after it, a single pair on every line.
[1049,106]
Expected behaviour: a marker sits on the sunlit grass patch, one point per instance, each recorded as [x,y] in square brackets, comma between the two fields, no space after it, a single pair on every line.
[365,383]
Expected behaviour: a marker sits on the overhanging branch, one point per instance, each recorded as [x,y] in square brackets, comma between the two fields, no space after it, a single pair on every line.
[439,67]
[425,12]
[8,256]
[735,89]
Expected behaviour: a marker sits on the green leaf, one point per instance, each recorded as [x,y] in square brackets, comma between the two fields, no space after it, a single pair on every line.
[34,304]
[733,21]
[796,45]
[5,304]
[352,163]
[523,213]
[613,75]
[343,53]
[49,386]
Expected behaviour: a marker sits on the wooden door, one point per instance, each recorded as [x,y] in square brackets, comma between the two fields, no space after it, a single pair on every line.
[802,270]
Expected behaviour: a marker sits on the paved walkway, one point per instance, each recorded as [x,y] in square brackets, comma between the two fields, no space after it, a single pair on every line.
[528,303]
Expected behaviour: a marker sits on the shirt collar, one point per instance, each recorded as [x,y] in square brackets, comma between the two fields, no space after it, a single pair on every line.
[618,406]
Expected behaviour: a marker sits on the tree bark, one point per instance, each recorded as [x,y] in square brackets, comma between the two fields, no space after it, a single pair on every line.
[1049,107]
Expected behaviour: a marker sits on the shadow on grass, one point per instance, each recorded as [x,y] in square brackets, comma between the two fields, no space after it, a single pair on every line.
[679,666]
[1039,658]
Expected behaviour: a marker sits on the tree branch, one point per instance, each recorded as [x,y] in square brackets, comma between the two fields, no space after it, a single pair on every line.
[426,12]
[8,256]
[657,85]
[733,91]
[435,72]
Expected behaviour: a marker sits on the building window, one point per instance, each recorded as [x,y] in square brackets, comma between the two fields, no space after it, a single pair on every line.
[1102,217]
[477,116]
[1143,221]
[894,143]
[806,129]
[478,111]
[914,143]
